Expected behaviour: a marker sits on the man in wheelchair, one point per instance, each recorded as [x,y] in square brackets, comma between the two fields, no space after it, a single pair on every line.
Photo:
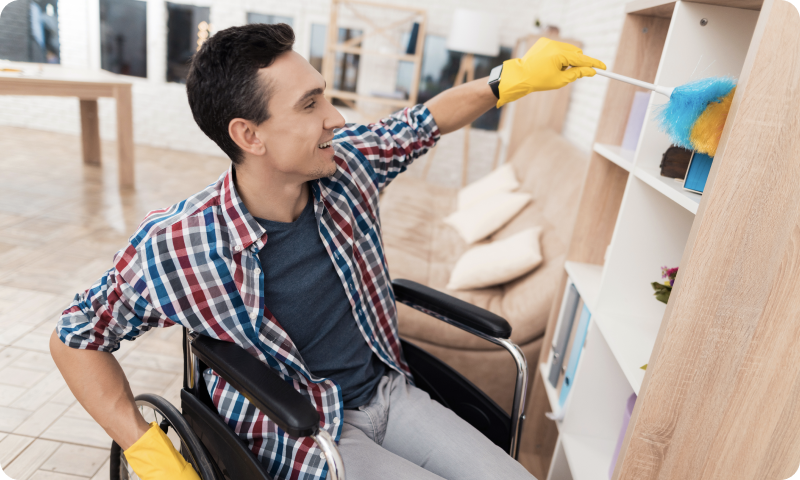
[282,256]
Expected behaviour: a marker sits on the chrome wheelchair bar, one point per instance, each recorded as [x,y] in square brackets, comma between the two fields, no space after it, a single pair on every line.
[189,360]
[332,455]
[520,393]
[521,386]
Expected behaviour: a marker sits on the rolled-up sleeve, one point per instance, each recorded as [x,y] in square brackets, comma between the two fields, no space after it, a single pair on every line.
[115,308]
[392,144]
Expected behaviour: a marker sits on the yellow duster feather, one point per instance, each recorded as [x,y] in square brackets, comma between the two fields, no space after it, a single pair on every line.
[707,130]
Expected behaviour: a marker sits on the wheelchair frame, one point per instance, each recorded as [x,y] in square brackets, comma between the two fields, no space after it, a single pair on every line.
[290,411]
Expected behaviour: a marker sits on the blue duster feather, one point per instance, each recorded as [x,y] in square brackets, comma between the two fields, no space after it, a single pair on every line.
[685,105]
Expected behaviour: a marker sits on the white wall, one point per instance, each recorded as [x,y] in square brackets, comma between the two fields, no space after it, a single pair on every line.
[597,24]
[161,112]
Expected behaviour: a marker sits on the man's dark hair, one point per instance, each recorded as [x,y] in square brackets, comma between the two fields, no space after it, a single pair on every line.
[223,81]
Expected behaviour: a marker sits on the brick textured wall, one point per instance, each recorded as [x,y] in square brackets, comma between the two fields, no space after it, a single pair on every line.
[597,24]
[161,112]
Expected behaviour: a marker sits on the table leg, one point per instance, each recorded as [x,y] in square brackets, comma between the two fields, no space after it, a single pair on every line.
[122,94]
[90,132]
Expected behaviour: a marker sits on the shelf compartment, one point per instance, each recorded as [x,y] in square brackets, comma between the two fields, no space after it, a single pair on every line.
[669,187]
[631,341]
[651,232]
[588,457]
[693,51]
[616,154]
[586,277]
[595,409]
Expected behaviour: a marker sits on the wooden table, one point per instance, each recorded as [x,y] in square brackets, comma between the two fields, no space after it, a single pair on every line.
[88,86]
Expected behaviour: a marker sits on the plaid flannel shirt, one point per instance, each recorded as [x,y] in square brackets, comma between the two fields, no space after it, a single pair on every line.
[196,264]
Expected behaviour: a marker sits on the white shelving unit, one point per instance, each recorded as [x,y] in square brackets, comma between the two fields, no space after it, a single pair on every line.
[652,227]
[623,158]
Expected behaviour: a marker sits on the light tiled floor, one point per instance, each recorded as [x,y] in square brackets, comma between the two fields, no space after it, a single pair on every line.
[61,222]
[60,225]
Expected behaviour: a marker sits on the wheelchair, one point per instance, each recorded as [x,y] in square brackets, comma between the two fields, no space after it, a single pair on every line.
[217,453]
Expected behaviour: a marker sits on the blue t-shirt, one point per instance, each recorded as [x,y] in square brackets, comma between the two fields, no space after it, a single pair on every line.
[308,299]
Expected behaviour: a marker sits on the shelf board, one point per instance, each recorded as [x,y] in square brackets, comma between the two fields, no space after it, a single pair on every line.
[664,8]
[586,277]
[616,154]
[670,188]
[631,340]
[589,458]
[552,394]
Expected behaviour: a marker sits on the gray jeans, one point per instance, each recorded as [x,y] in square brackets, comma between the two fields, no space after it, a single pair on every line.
[403,434]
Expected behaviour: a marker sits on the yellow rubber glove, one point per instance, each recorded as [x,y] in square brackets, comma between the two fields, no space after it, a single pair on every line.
[544,67]
[153,457]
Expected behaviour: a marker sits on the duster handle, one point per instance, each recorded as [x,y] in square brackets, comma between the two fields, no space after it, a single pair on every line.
[622,78]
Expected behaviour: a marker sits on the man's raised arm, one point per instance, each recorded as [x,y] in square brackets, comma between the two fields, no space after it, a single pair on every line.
[546,66]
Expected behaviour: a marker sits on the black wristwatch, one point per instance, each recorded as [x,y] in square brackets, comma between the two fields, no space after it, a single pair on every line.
[494,80]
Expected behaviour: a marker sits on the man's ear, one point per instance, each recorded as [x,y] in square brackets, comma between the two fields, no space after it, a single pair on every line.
[243,133]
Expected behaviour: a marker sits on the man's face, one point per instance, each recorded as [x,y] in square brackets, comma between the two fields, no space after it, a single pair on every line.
[301,120]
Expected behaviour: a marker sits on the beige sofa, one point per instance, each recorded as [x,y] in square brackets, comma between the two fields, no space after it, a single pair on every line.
[419,246]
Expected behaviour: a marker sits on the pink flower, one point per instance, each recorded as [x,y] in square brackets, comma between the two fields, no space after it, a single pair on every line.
[669,273]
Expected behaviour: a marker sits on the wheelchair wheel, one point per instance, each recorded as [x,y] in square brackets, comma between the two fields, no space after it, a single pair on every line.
[156,409]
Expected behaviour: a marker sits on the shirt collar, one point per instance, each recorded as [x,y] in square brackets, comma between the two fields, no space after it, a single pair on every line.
[243,229]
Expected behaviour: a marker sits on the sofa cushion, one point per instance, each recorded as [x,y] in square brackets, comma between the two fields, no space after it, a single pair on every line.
[419,246]
[497,262]
[481,220]
[503,179]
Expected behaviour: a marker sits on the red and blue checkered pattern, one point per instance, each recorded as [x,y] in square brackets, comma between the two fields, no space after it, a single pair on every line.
[196,264]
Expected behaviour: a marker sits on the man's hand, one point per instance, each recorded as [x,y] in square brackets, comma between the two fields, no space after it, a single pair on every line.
[153,457]
[546,66]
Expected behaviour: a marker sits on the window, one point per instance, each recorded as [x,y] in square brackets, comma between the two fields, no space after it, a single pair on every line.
[123,37]
[345,75]
[268,19]
[29,31]
[187,29]
[438,73]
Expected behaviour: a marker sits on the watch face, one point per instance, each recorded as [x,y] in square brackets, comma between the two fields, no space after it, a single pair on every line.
[494,76]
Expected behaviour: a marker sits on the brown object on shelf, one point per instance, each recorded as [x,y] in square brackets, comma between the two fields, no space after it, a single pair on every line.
[675,162]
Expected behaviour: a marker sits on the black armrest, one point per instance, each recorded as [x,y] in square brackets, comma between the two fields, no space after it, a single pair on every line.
[259,384]
[459,312]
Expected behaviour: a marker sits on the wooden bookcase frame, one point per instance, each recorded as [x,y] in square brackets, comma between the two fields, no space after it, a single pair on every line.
[382,27]
[720,398]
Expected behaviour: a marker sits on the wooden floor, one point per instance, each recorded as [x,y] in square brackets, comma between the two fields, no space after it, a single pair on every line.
[60,225]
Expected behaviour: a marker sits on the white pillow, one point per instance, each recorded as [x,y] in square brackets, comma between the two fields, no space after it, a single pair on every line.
[500,180]
[497,262]
[479,221]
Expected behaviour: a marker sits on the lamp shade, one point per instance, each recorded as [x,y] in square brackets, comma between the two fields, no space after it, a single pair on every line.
[474,32]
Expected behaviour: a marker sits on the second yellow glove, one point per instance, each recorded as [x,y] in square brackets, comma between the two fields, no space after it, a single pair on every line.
[544,67]
[153,457]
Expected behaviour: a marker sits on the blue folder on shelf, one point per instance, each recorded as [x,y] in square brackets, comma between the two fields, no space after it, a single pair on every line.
[575,355]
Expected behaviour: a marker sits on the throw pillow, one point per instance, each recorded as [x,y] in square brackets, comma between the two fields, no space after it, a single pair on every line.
[479,221]
[502,179]
[497,262]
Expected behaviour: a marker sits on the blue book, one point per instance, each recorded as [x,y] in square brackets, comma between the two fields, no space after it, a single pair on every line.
[575,355]
[697,174]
